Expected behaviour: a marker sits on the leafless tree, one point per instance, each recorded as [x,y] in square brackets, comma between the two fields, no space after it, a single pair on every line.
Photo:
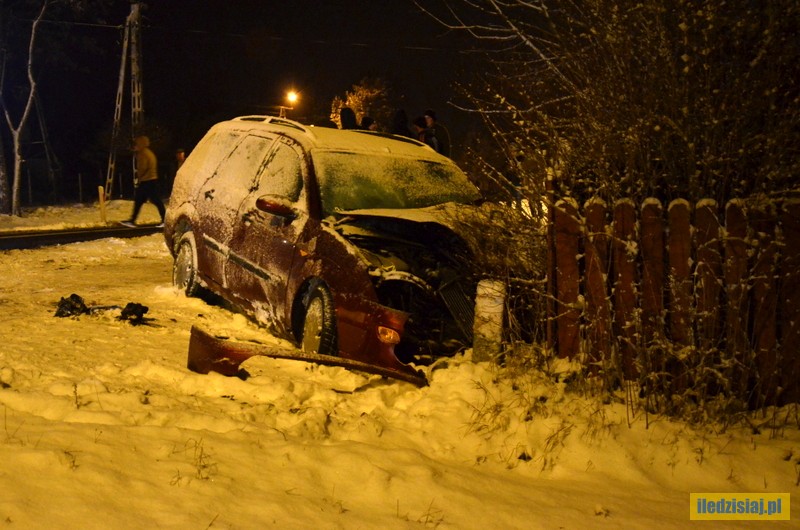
[691,98]
[633,99]
[10,203]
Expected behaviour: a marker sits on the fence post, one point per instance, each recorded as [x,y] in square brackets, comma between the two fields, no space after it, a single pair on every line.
[680,265]
[680,291]
[652,242]
[652,287]
[765,303]
[567,231]
[708,274]
[550,304]
[736,288]
[598,311]
[624,251]
[790,301]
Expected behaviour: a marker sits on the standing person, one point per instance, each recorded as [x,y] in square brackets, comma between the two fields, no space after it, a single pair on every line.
[348,118]
[146,180]
[425,134]
[369,124]
[180,158]
[440,131]
[400,124]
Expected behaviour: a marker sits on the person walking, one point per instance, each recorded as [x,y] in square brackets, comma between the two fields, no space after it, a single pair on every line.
[146,180]
[440,131]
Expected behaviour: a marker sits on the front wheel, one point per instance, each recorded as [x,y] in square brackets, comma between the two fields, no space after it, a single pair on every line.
[184,268]
[319,324]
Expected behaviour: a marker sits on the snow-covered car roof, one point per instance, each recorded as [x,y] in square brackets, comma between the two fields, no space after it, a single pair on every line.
[327,138]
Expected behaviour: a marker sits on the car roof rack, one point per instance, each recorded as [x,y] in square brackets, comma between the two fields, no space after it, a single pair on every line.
[311,131]
[274,120]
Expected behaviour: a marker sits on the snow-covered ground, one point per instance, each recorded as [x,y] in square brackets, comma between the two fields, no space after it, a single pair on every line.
[104,427]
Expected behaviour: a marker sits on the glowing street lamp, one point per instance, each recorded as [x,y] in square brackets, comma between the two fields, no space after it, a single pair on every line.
[291,98]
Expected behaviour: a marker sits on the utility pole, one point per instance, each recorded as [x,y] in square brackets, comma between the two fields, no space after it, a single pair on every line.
[130,43]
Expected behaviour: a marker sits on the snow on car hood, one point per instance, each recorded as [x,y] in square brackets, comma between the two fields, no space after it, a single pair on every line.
[451,215]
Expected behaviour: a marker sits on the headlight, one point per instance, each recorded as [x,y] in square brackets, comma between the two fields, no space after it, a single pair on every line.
[388,335]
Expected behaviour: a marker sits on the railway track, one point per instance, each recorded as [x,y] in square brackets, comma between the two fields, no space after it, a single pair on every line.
[26,239]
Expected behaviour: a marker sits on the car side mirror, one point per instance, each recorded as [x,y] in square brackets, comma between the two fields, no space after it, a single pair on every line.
[272,204]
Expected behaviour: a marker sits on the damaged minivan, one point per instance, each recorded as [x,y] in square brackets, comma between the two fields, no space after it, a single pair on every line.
[343,241]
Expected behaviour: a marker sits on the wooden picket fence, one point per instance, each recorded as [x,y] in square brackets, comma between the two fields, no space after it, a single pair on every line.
[683,296]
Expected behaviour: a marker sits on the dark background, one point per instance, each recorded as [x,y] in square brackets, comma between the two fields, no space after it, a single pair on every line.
[203,62]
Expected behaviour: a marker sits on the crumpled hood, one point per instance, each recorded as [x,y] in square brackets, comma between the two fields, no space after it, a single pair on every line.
[450,215]
[421,263]
[445,229]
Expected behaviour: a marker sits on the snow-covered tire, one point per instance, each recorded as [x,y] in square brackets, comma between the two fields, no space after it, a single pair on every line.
[319,323]
[184,268]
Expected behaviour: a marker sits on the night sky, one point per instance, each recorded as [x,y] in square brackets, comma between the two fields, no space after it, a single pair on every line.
[242,56]
[201,65]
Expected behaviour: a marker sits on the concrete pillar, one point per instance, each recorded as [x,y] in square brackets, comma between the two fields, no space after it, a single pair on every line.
[488,328]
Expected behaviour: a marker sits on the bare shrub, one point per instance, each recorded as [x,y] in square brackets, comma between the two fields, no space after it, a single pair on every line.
[601,99]
[686,99]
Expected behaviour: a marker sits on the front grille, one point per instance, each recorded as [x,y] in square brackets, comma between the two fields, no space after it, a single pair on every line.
[460,305]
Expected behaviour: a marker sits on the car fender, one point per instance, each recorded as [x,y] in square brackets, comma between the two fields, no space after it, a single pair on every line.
[177,221]
[345,273]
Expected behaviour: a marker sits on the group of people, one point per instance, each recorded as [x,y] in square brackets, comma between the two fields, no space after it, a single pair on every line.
[347,118]
[424,128]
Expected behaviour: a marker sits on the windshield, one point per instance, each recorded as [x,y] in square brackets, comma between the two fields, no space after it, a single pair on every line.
[354,181]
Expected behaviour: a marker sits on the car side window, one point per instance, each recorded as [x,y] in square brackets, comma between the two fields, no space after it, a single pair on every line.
[208,154]
[282,174]
[242,167]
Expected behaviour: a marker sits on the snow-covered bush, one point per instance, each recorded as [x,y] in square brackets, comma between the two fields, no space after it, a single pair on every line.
[688,99]
[600,99]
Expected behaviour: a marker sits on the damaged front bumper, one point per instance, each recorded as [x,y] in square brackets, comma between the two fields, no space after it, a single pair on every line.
[210,352]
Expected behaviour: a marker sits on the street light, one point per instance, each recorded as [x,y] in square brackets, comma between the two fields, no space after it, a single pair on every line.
[291,98]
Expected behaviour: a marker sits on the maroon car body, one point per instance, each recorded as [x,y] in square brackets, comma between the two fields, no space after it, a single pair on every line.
[339,240]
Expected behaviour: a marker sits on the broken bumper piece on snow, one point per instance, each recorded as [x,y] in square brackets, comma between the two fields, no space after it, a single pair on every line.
[224,355]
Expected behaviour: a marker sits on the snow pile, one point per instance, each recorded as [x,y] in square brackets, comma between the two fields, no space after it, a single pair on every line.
[104,427]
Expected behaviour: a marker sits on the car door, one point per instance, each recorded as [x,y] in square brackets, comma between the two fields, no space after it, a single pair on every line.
[219,198]
[270,220]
